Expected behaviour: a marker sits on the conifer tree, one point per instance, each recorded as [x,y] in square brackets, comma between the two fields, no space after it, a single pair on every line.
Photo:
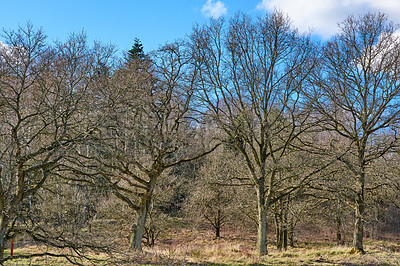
[136,51]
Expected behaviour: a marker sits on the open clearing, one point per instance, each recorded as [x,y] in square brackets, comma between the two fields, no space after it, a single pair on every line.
[187,247]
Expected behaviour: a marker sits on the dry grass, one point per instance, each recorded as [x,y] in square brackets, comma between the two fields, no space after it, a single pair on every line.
[91,258]
[199,247]
[182,246]
[227,252]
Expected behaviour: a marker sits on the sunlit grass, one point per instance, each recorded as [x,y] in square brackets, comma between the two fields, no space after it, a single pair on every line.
[199,247]
[92,259]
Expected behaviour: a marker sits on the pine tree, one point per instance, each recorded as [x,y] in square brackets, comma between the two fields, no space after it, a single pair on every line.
[136,51]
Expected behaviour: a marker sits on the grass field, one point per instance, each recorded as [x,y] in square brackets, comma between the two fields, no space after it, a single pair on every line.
[188,247]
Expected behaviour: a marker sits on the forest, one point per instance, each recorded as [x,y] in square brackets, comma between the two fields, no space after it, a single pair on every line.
[246,142]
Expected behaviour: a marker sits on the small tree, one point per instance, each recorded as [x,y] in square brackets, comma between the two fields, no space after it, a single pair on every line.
[213,195]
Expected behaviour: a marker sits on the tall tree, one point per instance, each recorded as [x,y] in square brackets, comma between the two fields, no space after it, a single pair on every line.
[357,92]
[148,126]
[41,95]
[250,76]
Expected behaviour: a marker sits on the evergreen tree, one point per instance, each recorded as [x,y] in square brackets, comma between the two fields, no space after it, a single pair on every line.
[136,51]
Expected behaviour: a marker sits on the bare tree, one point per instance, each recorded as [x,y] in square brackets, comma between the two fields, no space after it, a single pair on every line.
[214,193]
[41,92]
[148,126]
[250,75]
[357,93]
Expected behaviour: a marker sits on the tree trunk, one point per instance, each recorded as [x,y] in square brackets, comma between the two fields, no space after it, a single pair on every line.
[359,223]
[359,200]
[59,205]
[262,223]
[291,233]
[278,222]
[339,236]
[217,232]
[281,221]
[285,239]
[285,225]
[3,227]
[218,224]
[278,237]
[3,224]
[85,203]
[138,228]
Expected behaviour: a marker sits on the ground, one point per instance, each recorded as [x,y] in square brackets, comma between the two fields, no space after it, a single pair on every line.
[183,246]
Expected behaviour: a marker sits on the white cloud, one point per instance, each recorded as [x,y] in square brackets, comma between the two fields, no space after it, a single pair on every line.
[4,48]
[2,45]
[323,16]
[214,9]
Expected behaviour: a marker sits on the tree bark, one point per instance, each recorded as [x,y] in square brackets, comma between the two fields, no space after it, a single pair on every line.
[278,222]
[291,233]
[359,222]
[217,232]
[339,236]
[138,228]
[262,223]
[3,227]
[2,217]
[285,224]
[285,238]
[359,201]
[218,224]
[278,237]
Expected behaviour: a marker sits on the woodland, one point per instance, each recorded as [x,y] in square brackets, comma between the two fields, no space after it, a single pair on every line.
[246,142]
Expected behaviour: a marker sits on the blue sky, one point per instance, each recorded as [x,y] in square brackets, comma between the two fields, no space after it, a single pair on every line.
[155,22]
[118,22]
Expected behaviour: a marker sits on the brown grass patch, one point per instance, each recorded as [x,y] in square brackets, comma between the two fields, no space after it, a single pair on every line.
[198,247]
